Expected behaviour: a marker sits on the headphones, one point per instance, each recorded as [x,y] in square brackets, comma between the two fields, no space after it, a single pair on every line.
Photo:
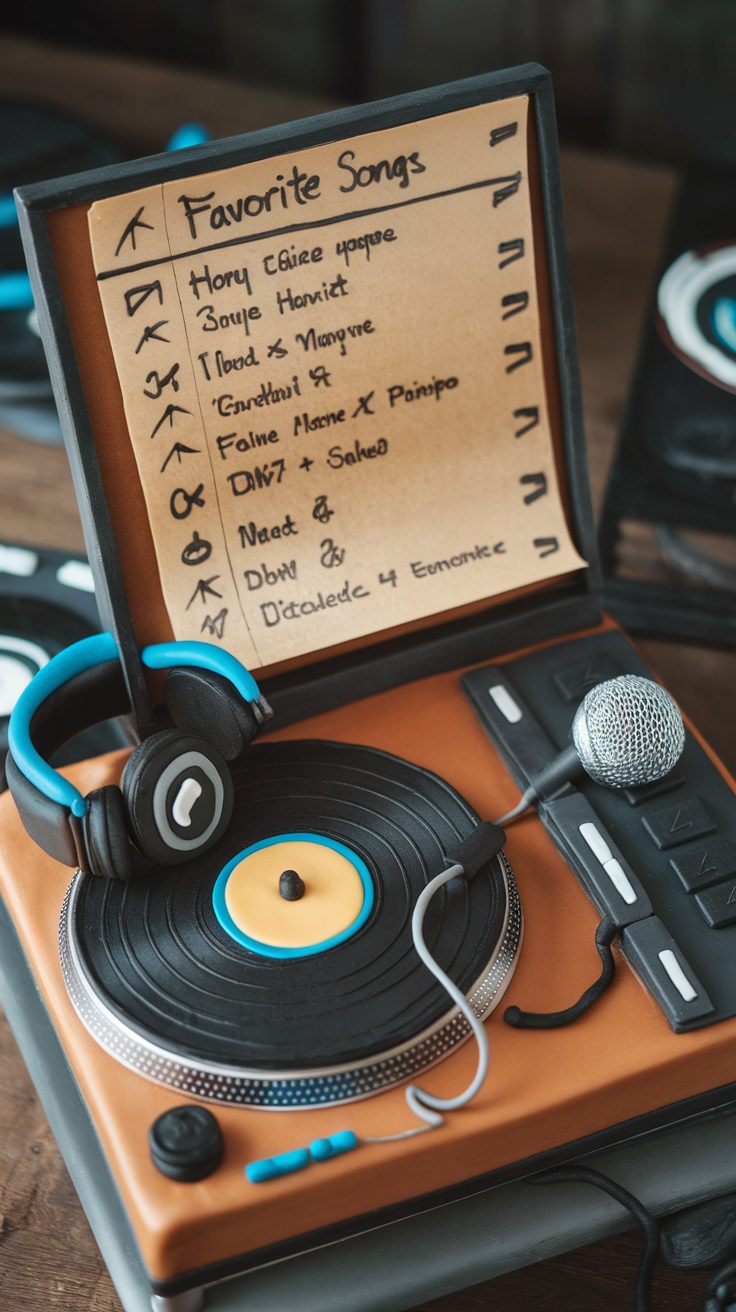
[175,800]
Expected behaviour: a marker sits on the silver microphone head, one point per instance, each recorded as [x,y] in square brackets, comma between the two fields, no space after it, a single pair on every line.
[628,731]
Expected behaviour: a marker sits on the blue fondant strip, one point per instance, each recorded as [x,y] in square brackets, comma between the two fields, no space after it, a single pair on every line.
[284,954]
[165,655]
[268,1168]
[73,660]
[319,1150]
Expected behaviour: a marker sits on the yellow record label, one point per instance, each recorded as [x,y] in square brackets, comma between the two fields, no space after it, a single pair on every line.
[332,900]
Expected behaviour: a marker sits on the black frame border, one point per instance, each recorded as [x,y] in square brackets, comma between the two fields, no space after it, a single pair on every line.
[327,683]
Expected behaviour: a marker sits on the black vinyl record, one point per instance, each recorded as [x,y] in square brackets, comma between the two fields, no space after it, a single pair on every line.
[156,956]
[40,615]
[677,460]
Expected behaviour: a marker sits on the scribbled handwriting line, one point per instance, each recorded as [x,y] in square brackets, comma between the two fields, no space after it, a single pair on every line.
[303,227]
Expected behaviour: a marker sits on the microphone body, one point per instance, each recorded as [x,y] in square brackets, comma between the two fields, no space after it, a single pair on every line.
[626,732]
[562,770]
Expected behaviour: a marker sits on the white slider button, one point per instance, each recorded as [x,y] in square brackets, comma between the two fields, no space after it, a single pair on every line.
[505,703]
[187,795]
[597,843]
[677,975]
[613,868]
[620,880]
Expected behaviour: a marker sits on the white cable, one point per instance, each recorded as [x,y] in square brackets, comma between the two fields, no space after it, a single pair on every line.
[525,801]
[425,1105]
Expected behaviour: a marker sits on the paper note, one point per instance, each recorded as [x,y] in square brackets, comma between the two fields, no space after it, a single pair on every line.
[331,366]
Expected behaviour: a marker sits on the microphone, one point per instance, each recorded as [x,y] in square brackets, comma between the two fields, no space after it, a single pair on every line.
[626,732]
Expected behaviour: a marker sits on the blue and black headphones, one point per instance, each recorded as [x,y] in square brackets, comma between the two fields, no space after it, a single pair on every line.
[176,795]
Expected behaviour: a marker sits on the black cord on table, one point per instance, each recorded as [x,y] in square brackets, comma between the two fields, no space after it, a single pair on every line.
[550,1020]
[585,1175]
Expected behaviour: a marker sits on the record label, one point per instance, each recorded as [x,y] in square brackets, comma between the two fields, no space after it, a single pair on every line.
[335,900]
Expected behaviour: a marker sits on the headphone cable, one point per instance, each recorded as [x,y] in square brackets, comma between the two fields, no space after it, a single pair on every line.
[426,1105]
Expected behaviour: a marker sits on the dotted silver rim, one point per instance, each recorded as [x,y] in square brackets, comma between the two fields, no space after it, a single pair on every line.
[288,1090]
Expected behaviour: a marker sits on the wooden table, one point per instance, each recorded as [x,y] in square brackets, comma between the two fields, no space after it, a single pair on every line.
[616,214]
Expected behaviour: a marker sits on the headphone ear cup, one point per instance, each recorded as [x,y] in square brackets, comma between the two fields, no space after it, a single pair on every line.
[207,705]
[106,835]
[178,796]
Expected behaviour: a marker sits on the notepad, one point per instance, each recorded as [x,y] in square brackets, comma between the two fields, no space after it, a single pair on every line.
[332,372]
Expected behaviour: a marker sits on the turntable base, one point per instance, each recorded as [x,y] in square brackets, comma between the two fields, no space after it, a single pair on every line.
[544,1088]
[399,1265]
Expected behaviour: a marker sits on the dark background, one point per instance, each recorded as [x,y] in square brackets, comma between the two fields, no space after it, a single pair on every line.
[652,78]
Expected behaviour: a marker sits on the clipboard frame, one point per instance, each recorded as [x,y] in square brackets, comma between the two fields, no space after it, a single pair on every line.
[556,608]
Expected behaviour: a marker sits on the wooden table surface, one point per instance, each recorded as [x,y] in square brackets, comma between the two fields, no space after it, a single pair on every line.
[616,213]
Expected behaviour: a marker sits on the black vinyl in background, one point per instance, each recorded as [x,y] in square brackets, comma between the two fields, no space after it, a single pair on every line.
[52,615]
[676,461]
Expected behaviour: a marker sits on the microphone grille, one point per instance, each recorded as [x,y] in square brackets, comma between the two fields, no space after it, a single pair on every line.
[628,731]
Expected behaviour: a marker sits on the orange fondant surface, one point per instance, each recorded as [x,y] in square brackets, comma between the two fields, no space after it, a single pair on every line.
[543,1089]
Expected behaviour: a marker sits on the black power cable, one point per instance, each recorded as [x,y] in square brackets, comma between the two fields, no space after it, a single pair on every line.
[585,1175]
[532,1020]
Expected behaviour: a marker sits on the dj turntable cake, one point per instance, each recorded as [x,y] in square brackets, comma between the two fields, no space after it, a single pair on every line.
[320,395]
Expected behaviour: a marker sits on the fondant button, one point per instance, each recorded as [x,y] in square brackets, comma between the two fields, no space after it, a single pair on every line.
[186,1143]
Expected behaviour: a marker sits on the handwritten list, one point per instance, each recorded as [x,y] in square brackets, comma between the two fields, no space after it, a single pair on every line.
[331,366]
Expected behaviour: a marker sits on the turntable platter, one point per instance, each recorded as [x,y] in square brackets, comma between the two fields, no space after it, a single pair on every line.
[162,985]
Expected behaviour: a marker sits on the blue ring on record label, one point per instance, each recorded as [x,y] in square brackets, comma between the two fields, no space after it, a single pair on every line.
[268,949]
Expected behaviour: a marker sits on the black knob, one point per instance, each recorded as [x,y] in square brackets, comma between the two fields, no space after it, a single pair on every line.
[291,886]
[186,1143]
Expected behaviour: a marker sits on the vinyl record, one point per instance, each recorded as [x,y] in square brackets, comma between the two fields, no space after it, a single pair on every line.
[676,465]
[170,992]
[696,303]
[39,616]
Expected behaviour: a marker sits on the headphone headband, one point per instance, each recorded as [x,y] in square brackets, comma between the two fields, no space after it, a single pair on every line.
[164,655]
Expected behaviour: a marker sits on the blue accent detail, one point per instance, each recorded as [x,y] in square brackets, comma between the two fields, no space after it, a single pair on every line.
[723,322]
[342,1142]
[8,212]
[73,660]
[268,1168]
[15,291]
[189,134]
[320,1150]
[285,954]
[164,655]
